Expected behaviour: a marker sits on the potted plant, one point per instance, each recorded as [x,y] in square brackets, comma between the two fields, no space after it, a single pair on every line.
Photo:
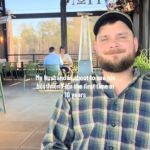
[142,62]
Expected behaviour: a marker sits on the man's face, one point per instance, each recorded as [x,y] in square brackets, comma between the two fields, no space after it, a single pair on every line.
[115,47]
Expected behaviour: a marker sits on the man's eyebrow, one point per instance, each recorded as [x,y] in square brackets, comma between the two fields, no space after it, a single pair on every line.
[106,35]
[102,36]
[122,33]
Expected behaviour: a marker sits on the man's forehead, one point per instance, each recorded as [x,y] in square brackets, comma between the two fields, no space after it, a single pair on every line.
[118,24]
[113,16]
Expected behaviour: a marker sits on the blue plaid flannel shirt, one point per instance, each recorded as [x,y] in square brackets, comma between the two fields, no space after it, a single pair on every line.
[101,120]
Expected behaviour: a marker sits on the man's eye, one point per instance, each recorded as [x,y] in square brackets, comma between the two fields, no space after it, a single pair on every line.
[103,39]
[122,37]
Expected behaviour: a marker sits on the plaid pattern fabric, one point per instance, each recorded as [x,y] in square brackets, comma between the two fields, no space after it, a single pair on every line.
[101,120]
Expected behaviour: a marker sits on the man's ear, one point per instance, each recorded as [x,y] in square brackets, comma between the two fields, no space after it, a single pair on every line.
[136,45]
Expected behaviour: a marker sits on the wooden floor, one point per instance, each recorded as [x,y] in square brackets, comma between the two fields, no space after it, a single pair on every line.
[28,113]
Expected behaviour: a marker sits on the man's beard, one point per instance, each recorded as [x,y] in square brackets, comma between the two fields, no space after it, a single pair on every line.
[123,65]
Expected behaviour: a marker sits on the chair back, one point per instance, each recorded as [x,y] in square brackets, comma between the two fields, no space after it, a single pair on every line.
[13,66]
[7,66]
[52,70]
[31,70]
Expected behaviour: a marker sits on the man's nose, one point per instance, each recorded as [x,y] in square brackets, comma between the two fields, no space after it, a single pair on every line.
[113,43]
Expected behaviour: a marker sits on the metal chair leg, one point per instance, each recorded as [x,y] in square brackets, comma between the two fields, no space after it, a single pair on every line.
[2,96]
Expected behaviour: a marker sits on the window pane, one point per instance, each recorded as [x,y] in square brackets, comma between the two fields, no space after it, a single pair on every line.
[41,6]
[32,6]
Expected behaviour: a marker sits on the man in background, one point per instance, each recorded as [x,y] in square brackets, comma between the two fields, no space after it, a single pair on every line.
[52,58]
[52,63]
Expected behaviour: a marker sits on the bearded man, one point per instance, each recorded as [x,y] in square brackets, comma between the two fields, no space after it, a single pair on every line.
[106,118]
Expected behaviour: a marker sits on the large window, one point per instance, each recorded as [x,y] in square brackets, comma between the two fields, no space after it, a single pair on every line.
[36,6]
[35,36]
[32,6]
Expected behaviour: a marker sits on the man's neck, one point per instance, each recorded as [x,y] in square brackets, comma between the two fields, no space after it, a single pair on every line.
[120,80]
[51,52]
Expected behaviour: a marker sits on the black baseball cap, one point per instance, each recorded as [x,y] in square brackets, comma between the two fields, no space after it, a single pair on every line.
[110,15]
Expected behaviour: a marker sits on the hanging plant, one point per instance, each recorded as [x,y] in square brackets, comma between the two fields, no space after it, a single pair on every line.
[126,6]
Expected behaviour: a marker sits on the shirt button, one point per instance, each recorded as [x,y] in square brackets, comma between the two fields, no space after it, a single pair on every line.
[115,103]
[113,124]
[111,148]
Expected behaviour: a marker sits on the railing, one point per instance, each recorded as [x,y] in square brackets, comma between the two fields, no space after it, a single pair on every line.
[22,59]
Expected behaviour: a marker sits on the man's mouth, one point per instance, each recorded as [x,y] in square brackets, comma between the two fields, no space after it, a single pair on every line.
[114,52]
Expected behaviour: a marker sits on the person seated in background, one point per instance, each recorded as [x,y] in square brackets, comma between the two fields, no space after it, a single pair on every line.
[67,62]
[53,59]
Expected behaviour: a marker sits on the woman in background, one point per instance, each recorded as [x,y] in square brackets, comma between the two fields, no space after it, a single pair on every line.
[67,62]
